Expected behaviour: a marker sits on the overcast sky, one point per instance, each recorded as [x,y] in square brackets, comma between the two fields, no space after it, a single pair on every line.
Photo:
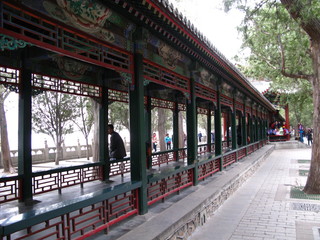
[210,19]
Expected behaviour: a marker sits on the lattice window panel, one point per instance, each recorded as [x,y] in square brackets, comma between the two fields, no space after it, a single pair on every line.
[118,96]
[157,74]
[51,35]
[204,92]
[203,111]
[239,106]
[182,107]
[155,102]
[9,76]
[64,86]
[226,101]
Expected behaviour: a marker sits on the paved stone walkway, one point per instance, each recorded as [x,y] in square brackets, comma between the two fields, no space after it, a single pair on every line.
[262,209]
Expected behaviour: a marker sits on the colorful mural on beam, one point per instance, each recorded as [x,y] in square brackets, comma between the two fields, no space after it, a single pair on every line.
[91,17]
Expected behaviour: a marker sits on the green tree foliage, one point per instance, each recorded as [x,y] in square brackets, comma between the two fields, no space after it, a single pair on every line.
[279,49]
[119,115]
[84,109]
[284,39]
[52,115]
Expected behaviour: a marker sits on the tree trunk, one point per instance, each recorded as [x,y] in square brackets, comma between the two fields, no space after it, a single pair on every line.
[58,151]
[161,128]
[5,148]
[313,182]
[87,147]
[181,133]
[95,144]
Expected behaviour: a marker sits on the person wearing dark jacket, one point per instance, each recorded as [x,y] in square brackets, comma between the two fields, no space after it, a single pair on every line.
[117,149]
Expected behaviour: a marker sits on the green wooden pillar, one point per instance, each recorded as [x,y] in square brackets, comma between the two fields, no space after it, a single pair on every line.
[103,133]
[137,122]
[234,124]
[209,128]
[250,128]
[192,125]
[217,126]
[148,134]
[244,124]
[24,133]
[256,130]
[233,130]
[244,130]
[176,131]
[192,130]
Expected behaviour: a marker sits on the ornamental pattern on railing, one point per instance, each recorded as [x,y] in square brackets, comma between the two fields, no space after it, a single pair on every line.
[209,168]
[162,188]
[50,34]
[241,153]
[202,149]
[229,159]
[120,168]
[9,189]
[160,75]
[65,86]
[57,180]
[162,158]
[84,221]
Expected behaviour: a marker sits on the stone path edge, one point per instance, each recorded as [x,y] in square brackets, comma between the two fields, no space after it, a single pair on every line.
[181,219]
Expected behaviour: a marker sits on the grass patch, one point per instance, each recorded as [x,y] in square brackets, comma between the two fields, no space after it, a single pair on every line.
[296,192]
[303,173]
[304,161]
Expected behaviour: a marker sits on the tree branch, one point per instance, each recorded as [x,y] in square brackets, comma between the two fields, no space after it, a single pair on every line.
[310,25]
[283,64]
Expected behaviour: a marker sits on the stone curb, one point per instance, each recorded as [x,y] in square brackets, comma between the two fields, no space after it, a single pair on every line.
[181,219]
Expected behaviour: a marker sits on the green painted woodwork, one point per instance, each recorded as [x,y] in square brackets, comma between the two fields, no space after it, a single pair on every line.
[233,130]
[10,43]
[176,129]
[209,119]
[217,126]
[244,130]
[103,133]
[24,133]
[192,130]
[137,124]
[192,125]
[149,133]
[39,215]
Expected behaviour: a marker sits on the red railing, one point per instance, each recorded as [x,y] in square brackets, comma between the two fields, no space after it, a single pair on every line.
[9,189]
[229,159]
[62,178]
[159,189]
[208,168]
[81,222]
